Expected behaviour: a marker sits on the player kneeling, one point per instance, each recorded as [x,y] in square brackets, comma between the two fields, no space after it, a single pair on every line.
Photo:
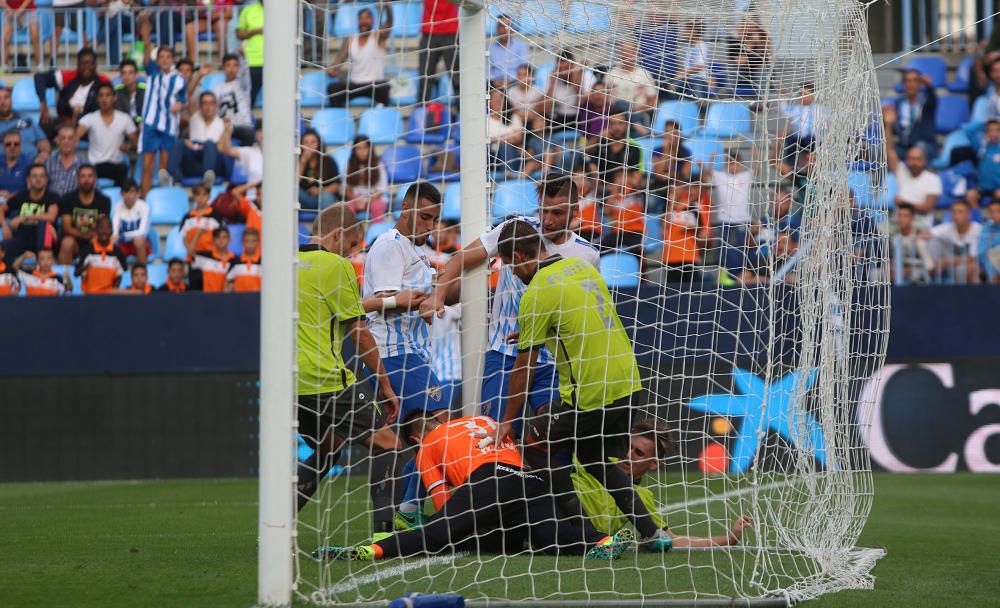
[650,444]
[494,498]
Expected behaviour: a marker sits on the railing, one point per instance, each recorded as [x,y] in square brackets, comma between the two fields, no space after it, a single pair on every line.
[945,25]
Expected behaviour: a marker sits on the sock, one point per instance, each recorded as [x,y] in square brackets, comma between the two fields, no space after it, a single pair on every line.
[310,473]
[385,489]
[411,492]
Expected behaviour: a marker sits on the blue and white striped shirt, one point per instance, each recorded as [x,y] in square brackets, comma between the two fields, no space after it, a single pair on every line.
[394,263]
[507,297]
[446,344]
[162,91]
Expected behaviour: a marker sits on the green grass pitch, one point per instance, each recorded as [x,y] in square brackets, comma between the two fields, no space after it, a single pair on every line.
[192,543]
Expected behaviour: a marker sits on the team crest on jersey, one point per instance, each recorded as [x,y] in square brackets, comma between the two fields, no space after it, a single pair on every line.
[434,393]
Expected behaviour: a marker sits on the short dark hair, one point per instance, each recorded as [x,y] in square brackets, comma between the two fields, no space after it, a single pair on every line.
[251,231]
[129,184]
[422,190]
[230,57]
[200,187]
[521,237]
[219,230]
[84,52]
[905,207]
[671,123]
[139,265]
[165,49]
[184,61]
[128,62]
[205,94]
[38,166]
[104,85]
[9,132]
[102,218]
[993,201]
[991,122]
[659,433]
[558,184]
[961,202]
[175,261]
[87,166]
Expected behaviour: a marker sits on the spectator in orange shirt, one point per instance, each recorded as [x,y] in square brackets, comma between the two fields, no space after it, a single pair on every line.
[42,281]
[623,214]
[247,208]
[210,266]
[200,222]
[102,262]
[176,277]
[686,229]
[244,273]
[140,281]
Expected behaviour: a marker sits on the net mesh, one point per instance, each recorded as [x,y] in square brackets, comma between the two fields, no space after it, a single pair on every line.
[729,161]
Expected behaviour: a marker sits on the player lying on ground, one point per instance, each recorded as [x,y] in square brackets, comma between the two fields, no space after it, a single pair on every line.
[334,407]
[567,307]
[494,499]
[651,443]
[558,208]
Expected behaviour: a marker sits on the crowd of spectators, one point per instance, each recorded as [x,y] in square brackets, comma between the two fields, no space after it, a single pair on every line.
[730,215]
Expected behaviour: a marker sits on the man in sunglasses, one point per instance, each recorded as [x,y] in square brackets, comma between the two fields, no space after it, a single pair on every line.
[14,169]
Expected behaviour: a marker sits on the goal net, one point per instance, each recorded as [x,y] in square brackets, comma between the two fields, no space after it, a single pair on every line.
[718,166]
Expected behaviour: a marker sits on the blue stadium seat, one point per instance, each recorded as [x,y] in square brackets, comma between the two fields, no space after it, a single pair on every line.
[397,199]
[955,139]
[542,73]
[24,99]
[514,197]
[381,125]
[361,102]
[104,183]
[334,125]
[652,241]
[418,133]
[76,281]
[236,238]
[952,189]
[175,245]
[889,192]
[445,176]
[375,230]
[90,20]
[727,120]
[114,193]
[167,206]
[239,176]
[980,108]
[407,19]
[452,208]
[702,151]
[157,274]
[963,76]
[860,184]
[402,163]
[686,113]
[345,20]
[209,82]
[620,270]
[342,156]
[952,112]
[155,251]
[588,17]
[405,88]
[545,20]
[933,66]
[312,89]
[304,233]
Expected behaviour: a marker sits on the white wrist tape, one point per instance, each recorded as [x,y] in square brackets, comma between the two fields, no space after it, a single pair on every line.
[389,303]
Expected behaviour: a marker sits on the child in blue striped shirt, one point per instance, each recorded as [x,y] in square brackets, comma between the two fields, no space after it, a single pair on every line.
[166,94]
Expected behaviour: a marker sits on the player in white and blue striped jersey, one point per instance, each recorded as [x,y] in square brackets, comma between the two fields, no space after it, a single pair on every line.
[558,207]
[166,95]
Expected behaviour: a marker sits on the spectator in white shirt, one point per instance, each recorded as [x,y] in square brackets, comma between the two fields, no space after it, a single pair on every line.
[731,192]
[506,53]
[112,134]
[249,158]
[197,154]
[130,223]
[695,78]
[629,83]
[957,244]
[917,185]
[800,117]
[568,93]
[524,97]
[360,64]
[233,96]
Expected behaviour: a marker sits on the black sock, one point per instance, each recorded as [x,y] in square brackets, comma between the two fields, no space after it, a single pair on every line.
[311,473]
[386,487]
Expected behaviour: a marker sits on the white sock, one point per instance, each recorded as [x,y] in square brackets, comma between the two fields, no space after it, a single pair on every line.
[408,508]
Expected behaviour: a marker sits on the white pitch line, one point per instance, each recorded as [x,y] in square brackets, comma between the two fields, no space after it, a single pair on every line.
[393,572]
[687,504]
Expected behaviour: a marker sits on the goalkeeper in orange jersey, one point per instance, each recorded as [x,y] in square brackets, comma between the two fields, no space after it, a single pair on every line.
[482,494]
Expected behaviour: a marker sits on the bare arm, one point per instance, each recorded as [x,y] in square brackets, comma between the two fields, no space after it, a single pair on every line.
[520,380]
[889,116]
[368,351]
[44,150]
[386,28]
[449,283]
[226,142]
[405,301]
[719,540]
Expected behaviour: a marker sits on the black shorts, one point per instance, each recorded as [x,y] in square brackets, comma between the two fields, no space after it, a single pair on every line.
[593,435]
[353,414]
[70,17]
